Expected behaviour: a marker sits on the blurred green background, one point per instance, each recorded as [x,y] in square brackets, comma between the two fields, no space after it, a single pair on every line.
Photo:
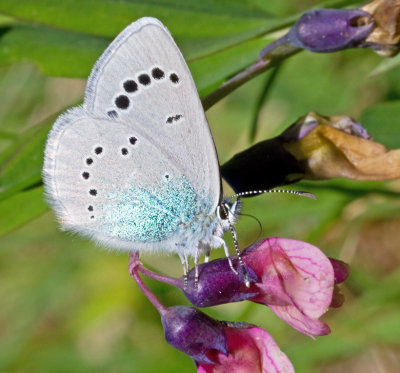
[68,306]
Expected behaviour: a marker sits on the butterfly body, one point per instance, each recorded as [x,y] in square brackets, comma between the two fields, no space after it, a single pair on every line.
[135,167]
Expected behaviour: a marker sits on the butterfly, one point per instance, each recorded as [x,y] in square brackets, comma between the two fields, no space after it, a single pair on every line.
[135,167]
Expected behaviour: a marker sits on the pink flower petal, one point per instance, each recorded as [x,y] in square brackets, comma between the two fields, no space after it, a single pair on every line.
[296,281]
[298,320]
[251,350]
[314,294]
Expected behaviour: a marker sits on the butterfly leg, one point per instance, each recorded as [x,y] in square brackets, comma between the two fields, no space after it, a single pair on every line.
[220,242]
[207,257]
[196,269]
[185,264]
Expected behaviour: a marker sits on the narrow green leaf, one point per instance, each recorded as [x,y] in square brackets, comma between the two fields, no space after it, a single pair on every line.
[21,163]
[386,65]
[209,72]
[63,53]
[20,209]
[107,18]
[269,82]
[199,27]
[383,123]
[54,52]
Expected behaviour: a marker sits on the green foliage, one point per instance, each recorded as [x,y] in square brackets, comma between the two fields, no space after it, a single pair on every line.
[70,307]
[383,122]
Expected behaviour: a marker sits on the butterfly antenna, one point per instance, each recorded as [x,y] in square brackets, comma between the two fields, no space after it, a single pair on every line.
[297,192]
[238,254]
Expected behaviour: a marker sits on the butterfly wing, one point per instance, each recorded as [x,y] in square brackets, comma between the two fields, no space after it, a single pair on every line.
[142,78]
[137,162]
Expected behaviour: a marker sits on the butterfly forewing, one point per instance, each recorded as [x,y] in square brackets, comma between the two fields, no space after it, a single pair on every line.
[142,80]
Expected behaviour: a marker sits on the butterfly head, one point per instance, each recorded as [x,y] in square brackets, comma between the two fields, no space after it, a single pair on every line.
[228,211]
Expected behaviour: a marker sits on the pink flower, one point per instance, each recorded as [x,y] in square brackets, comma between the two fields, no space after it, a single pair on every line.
[218,346]
[250,350]
[295,279]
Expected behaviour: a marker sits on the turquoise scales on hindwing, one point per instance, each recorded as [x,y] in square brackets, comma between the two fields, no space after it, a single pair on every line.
[141,215]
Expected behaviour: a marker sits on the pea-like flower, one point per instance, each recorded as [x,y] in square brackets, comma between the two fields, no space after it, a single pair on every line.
[315,147]
[295,279]
[221,346]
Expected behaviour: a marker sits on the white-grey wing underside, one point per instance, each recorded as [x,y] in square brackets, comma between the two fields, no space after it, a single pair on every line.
[141,123]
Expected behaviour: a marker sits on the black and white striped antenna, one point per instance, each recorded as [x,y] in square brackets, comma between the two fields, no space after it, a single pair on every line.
[297,192]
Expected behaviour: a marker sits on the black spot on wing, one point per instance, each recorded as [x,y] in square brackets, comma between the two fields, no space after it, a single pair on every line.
[174,118]
[157,73]
[144,79]
[174,78]
[130,86]
[122,102]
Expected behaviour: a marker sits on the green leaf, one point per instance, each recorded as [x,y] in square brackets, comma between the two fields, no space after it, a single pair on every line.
[209,72]
[200,28]
[21,163]
[262,98]
[20,209]
[63,53]
[71,45]
[54,52]
[383,123]
[386,65]
[107,18]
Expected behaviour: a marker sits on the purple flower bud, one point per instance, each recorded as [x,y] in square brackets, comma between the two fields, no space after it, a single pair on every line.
[218,284]
[326,30]
[193,332]
[329,30]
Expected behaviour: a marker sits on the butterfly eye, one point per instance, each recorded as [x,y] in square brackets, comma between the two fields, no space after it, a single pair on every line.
[222,212]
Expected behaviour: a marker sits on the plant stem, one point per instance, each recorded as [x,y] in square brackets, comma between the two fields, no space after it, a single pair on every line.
[249,73]
[156,276]
[134,265]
